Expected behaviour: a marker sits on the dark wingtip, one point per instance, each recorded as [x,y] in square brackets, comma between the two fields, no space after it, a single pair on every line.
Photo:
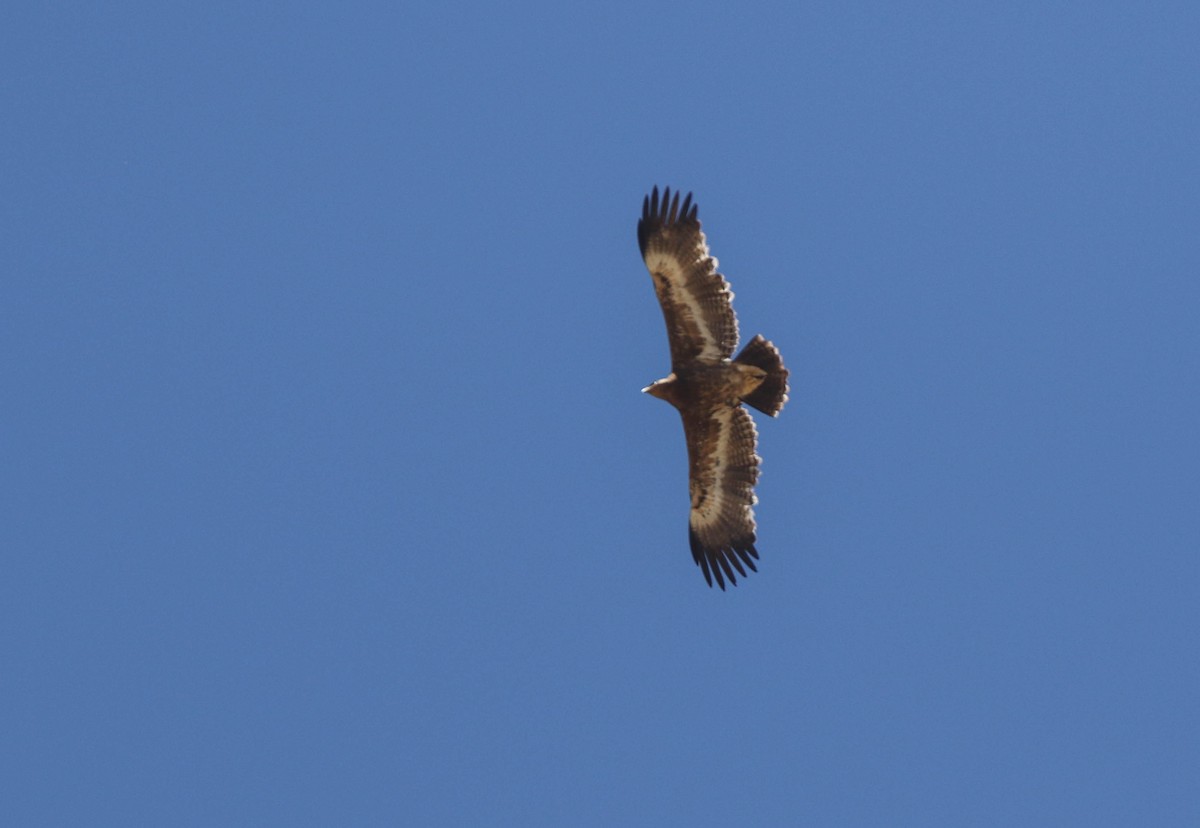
[663,212]
[748,555]
[715,562]
[668,209]
[703,562]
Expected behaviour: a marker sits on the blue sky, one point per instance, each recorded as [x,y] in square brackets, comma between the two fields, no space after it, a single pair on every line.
[329,495]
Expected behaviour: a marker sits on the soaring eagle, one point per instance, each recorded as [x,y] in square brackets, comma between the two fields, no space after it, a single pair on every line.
[707,387]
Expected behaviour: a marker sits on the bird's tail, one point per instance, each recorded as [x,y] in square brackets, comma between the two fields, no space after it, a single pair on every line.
[772,394]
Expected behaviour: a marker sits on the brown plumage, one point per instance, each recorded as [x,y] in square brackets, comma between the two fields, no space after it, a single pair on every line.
[708,387]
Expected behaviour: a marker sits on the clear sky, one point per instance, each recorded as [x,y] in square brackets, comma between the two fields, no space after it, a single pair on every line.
[329,496]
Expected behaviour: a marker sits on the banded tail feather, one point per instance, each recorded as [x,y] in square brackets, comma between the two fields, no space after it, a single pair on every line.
[772,394]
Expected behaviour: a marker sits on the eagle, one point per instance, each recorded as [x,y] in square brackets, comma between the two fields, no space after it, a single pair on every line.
[708,387]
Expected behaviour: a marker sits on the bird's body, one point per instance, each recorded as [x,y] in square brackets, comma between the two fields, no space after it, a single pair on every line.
[708,387]
[707,384]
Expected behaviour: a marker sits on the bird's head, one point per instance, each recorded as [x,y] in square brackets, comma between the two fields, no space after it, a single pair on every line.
[663,388]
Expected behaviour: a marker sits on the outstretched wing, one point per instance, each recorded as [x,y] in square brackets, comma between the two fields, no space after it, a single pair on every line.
[695,298]
[723,469]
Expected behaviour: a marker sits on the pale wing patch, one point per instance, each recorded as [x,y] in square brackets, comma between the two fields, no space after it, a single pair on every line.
[688,311]
[724,491]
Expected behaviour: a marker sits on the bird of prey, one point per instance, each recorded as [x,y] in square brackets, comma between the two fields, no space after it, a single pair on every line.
[708,387]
